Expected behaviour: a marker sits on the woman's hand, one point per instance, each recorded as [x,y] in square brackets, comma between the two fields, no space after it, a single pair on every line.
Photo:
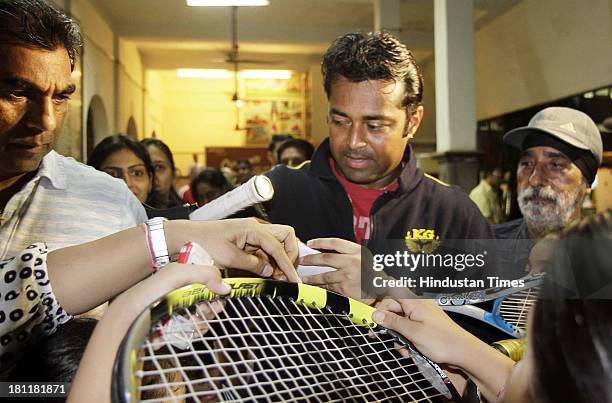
[427,326]
[435,335]
[171,277]
[232,243]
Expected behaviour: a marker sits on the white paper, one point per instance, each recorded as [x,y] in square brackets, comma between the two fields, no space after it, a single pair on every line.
[303,271]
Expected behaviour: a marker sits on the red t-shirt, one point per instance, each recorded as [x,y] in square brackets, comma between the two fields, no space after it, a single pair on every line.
[362,200]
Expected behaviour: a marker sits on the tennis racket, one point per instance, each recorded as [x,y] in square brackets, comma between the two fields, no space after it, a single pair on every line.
[505,308]
[273,341]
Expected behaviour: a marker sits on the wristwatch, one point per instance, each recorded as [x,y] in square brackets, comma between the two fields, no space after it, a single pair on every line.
[156,239]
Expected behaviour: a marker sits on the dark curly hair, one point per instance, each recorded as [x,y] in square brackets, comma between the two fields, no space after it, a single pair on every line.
[37,24]
[373,56]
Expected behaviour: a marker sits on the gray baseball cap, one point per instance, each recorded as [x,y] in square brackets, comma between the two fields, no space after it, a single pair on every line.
[568,125]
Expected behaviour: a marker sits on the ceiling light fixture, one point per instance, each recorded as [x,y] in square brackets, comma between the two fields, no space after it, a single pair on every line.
[266,74]
[203,73]
[222,3]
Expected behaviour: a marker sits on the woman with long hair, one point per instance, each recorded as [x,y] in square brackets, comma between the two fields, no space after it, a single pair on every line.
[125,158]
[164,169]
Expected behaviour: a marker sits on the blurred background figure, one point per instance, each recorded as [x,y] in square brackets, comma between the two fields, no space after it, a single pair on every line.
[124,158]
[194,166]
[275,142]
[244,171]
[230,175]
[508,194]
[294,152]
[209,184]
[487,196]
[164,170]
[185,192]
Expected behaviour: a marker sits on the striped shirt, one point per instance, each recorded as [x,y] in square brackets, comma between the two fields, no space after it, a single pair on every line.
[67,203]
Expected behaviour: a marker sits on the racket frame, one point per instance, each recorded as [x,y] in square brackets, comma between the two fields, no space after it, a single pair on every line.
[463,304]
[124,382]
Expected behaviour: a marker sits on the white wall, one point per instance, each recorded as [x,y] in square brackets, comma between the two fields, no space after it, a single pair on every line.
[98,65]
[153,104]
[427,131]
[112,69]
[542,50]
[130,87]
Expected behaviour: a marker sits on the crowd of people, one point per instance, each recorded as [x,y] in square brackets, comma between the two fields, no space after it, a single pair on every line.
[74,236]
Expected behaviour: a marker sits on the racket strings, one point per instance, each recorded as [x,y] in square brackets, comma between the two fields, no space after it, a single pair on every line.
[387,381]
[321,349]
[361,370]
[393,382]
[323,358]
[516,307]
[260,349]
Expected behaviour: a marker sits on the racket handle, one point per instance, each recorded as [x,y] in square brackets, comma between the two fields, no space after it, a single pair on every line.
[256,190]
[513,348]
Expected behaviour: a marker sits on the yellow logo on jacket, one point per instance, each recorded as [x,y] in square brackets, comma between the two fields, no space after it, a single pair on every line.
[422,240]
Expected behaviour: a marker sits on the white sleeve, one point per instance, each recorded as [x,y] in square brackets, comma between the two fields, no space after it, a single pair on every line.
[134,212]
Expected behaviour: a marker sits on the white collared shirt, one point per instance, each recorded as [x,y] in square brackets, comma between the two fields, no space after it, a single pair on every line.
[67,203]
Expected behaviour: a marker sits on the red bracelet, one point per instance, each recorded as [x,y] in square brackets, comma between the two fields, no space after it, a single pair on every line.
[145,229]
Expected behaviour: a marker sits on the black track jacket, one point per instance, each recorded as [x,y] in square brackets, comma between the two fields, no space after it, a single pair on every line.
[314,202]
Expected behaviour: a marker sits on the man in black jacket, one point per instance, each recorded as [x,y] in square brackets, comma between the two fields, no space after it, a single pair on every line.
[363,184]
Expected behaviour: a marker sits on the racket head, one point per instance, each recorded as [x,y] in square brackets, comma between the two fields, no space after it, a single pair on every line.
[513,310]
[507,312]
[489,294]
[304,304]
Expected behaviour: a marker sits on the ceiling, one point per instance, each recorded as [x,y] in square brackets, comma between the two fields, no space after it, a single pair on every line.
[291,33]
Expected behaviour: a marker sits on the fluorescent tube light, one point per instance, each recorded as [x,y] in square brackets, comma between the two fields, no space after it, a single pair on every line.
[203,73]
[270,74]
[221,3]
[221,73]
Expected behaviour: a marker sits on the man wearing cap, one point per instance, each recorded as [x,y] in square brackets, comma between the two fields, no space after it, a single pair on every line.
[561,150]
